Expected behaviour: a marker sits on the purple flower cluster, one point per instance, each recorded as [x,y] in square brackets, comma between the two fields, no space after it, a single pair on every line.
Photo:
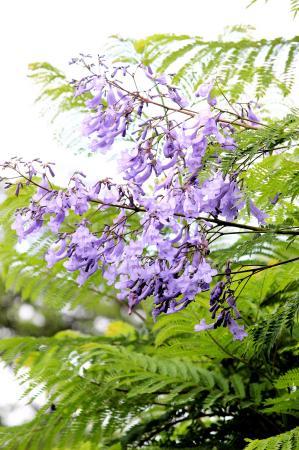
[171,269]
[106,123]
[166,256]
[223,309]
[155,261]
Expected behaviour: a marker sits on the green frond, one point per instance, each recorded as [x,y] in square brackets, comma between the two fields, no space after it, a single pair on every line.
[237,64]
[284,441]
[55,87]
[89,374]
[287,403]
[164,66]
[289,379]
[174,335]
[58,103]
[295,7]
[264,335]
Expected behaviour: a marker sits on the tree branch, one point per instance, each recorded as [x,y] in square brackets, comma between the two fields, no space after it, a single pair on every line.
[185,111]
[224,223]
[259,269]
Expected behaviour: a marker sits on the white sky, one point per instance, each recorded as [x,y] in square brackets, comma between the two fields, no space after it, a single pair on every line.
[56,30]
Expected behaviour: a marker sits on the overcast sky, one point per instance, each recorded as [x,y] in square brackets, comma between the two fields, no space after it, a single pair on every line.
[56,30]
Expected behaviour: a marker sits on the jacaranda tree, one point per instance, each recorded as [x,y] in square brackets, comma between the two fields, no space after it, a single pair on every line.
[195,249]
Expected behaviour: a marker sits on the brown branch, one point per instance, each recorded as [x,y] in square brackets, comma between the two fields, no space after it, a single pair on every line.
[185,111]
[260,268]
[224,223]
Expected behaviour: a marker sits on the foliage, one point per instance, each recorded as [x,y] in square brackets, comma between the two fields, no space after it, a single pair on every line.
[237,64]
[24,270]
[151,385]
[127,391]
[56,101]
[165,386]
[285,441]
[54,85]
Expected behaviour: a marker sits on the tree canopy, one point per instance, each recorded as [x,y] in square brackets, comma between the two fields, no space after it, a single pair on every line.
[192,258]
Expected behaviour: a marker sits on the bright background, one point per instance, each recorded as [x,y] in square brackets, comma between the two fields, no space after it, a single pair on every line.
[57,30]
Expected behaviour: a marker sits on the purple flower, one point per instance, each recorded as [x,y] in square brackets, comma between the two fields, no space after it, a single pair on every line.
[177,98]
[221,196]
[161,79]
[83,253]
[19,226]
[164,165]
[56,221]
[24,225]
[237,331]
[253,118]
[217,291]
[257,213]
[191,205]
[54,255]
[231,301]
[202,325]
[275,199]
[106,123]
[204,89]
[141,178]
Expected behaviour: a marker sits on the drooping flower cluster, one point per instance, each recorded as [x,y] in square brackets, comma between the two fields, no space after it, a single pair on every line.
[223,308]
[158,245]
